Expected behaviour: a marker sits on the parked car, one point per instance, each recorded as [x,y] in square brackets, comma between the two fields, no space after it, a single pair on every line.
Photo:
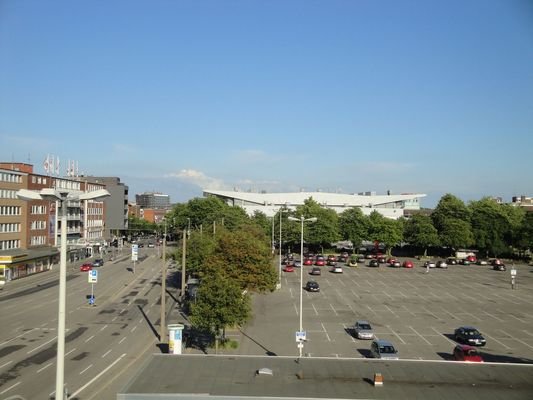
[151,245]
[381,259]
[296,264]
[464,261]
[332,263]
[320,262]
[352,262]
[464,352]
[368,256]
[363,330]
[360,259]
[86,267]
[315,271]
[383,349]
[469,335]
[308,261]
[332,257]
[451,261]
[337,269]
[499,267]
[312,286]
[471,259]
[394,263]
[482,262]
[430,264]
[408,264]
[288,268]
[98,262]
[342,258]
[373,263]
[441,264]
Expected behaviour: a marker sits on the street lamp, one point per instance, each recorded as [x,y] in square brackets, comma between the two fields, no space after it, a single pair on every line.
[63,196]
[281,211]
[302,220]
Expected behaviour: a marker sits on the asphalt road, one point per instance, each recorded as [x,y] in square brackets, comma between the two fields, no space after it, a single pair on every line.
[415,310]
[105,343]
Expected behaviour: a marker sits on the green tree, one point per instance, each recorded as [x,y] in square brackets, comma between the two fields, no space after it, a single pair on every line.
[384,230]
[420,232]
[456,233]
[353,226]
[526,232]
[245,258]
[451,218]
[490,226]
[199,248]
[220,302]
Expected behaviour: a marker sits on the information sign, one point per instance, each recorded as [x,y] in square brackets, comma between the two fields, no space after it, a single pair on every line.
[301,336]
[134,252]
[93,276]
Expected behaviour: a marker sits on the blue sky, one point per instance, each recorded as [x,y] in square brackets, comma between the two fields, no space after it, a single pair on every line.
[429,96]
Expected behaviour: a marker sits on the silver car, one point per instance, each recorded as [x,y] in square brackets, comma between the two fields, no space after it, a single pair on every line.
[384,350]
[363,330]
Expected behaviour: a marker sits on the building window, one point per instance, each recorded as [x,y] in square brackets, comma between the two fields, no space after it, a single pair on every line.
[8,194]
[9,244]
[9,228]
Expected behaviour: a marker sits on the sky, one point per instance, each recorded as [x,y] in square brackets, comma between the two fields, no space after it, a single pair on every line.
[344,96]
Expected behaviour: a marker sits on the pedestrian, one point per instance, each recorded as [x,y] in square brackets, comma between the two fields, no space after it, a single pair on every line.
[427,267]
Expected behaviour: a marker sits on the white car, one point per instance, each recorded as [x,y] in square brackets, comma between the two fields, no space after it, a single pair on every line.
[430,264]
[336,269]
[442,264]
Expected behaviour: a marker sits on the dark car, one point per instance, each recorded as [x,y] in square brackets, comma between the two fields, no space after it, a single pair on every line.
[315,271]
[464,261]
[332,263]
[373,263]
[98,262]
[469,335]
[312,286]
[451,261]
[499,267]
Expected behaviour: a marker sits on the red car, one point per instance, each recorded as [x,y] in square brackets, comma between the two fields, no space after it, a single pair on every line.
[408,264]
[320,262]
[288,268]
[463,352]
[471,259]
[86,267]
[308,261]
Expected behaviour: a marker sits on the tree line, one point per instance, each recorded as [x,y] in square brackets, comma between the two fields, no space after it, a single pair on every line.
[232,253]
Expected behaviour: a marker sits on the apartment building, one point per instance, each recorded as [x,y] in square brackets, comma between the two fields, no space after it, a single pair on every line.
[30,230]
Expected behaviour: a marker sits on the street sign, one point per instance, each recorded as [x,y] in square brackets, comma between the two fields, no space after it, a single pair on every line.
[301,336]
[93,276]
[513,272]
[134,252]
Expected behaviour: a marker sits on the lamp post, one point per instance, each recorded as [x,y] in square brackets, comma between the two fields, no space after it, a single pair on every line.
[279,270]
[63,197]
[163,332]
[302,220]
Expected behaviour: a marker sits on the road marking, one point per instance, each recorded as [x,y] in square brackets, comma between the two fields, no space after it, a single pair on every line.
[493,316]
[388,308]
[529,333]
[519,319]
[449,313]
[89,339]
[422,337]
[133,329]
[497,341]
[11,387]
[16,337]
[326,332]
[74,349]
[521,341]
[6,364]
[295,309]
[395,334]
[367,306]
[386,294]
[101,329]
[121,340]
[369,284]
[73,395]
[473,316]
[409,311]
[342,283]
[429,312]
[44,344]
[109,351]
[314,308]
[113,320]
[335,311]
[141,320]
[85,370]
[444,336]
[43,368]
[351,309]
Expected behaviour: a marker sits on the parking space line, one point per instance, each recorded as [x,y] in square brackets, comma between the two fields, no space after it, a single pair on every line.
[386,294]
[515,317]
[335,311]
[429,312]
[497,341]
[367,306]
[422,337]
[314,308]
[295,309]
[388,308]
[443,336]
[85,370]
[326,332]
[409,311]
[395,334]
[43,368]
[521,341]
[402,294]
[529,333]
[506,299]
[473,316]
[449,313]
[493,316]
[342,283]
[5,364]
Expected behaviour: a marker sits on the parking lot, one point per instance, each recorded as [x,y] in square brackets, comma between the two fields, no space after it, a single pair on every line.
[415,310]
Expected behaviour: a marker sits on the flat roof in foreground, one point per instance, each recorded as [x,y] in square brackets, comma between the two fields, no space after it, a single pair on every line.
[166,377]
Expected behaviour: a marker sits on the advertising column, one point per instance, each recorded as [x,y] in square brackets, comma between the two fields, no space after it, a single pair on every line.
[175,338]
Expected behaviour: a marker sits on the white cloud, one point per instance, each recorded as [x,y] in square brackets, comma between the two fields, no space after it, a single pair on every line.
[198,178]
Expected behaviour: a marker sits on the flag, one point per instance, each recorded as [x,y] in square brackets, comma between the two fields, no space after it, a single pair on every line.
[51,165]
[57,166]
[46,164]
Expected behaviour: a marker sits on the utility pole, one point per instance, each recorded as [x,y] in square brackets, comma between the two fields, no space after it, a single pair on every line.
[183,260]
[163,332]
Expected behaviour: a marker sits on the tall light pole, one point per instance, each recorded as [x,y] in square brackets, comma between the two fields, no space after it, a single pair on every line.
[281,211]
[63,196]
[163,332]
[302,220]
